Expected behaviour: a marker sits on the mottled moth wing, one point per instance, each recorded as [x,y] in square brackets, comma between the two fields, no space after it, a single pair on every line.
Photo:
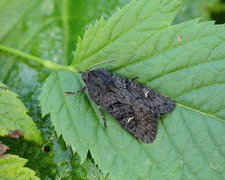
[135,106]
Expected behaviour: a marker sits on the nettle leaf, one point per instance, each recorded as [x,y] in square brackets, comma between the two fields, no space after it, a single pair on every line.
[11,167]
[184,61]
[14,121]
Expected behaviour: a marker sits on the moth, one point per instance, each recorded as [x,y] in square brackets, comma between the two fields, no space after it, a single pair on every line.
[135,106]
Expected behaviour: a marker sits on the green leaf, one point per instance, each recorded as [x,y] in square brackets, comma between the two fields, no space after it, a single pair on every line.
[14,121]
[120,36]
[11,167]
[184,61]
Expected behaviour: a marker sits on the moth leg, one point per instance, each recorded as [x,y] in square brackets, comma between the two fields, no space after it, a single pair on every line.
[82,89]
[103,117]
[134,78]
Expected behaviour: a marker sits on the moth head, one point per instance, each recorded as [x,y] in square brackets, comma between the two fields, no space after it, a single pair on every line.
[98,73]
[96,77]
[85,76]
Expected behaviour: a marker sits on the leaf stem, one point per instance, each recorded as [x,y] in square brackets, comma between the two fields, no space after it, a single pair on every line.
[44,62]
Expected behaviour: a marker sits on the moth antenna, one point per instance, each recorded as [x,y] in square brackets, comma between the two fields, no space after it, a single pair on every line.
[117,59]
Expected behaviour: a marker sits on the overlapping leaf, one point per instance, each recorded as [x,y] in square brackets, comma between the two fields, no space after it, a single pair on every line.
[11,167]
[14,121]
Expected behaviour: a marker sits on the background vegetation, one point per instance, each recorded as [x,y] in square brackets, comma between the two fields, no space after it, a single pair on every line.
[49,29]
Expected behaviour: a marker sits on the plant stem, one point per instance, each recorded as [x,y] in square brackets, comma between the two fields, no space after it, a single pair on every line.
[44,62]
